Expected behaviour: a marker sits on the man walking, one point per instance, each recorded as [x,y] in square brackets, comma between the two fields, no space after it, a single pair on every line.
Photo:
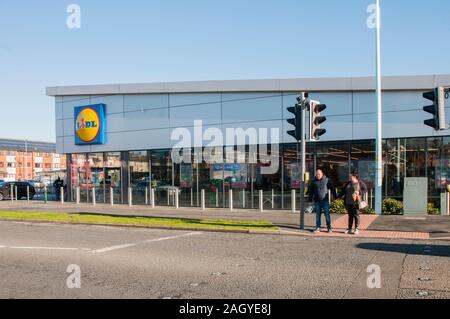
[318,192]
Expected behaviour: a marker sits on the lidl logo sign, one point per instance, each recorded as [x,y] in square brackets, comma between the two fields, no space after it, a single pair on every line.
[90,124]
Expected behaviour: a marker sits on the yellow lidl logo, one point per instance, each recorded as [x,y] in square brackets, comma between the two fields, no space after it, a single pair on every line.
[89,124]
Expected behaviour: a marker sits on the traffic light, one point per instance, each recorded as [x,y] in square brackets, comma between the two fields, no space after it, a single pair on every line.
[437,96]
[316,119]
[296,121]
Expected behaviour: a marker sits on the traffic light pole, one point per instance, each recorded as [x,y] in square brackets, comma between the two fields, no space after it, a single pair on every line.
[303,167]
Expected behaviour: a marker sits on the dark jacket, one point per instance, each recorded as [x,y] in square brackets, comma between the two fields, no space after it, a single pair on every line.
[362,186]
[318,189]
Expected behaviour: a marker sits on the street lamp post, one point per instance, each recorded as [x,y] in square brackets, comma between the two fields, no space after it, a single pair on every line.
[379,137]
[25,160]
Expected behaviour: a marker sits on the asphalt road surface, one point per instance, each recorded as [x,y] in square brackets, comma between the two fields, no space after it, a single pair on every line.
[145,263]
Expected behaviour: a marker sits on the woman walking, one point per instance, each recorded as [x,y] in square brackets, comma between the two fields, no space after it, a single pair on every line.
[354,193]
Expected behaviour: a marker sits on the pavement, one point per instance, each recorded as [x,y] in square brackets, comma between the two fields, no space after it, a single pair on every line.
[372,226]
[42,261]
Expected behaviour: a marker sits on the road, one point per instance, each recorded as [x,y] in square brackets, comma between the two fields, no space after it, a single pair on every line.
[148,263]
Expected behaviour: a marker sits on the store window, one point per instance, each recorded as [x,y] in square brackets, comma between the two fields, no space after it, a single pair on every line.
[333,159]
[139,170]
[113,177]
[161,177]
[363,163]
[271,182]
[291,171]
[79,176]
[185,178]
[97,176]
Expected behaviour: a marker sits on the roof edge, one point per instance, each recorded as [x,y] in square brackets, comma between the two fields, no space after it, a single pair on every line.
[395,83]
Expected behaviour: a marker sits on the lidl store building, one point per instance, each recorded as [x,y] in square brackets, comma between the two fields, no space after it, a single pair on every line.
[121,137]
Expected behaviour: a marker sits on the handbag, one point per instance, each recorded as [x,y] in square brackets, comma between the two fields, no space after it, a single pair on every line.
[362,204]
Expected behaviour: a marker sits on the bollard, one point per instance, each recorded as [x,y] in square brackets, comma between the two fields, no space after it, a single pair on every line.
[177,199]
[203,200]
[371,197]
[273,199]
[168,197]
[130,196]
[78,195]
[11,194]
[61,195]
[94,199]
[446,213]
[243,198]
[293,200]
[28,195]
[192,197]
[45,195]
[17,194]
[152,197]
[217,198]
[261,201]
[231,199]
[111,196]
[146,196]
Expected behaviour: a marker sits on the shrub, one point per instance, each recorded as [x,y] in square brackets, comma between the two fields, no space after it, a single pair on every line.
[368,211]
[338,207]
[433,210]
[392,207]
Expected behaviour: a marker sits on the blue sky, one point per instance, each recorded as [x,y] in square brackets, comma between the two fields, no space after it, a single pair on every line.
[174,40]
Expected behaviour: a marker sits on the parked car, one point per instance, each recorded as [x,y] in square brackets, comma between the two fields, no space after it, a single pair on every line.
[5,190]
[37,184]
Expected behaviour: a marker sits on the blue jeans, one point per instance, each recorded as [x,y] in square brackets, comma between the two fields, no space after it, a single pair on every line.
[325,207]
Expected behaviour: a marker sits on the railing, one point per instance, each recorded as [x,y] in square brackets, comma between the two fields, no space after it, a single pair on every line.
[169,196]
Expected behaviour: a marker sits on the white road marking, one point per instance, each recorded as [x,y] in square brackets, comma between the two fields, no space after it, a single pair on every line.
[104,250]
[108,249]
[43,248]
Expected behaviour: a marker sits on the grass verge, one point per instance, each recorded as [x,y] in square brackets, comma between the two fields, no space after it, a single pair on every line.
[138,221]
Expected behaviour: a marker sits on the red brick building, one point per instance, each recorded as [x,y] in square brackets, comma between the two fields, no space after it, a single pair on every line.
[28,160]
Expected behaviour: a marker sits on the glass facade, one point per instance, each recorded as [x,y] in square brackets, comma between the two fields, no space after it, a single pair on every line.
[144,170]
[139,176]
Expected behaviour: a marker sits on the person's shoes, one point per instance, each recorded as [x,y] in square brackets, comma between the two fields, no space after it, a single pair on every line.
[330,231]
[356,231]
[348,232]
[316,231]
